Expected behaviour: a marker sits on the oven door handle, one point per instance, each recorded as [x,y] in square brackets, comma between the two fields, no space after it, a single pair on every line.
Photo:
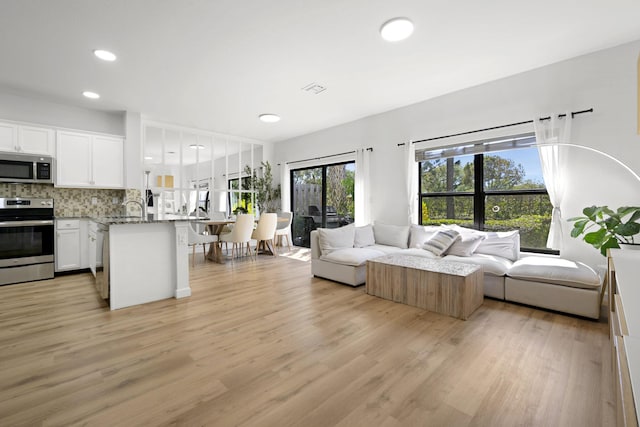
[25,223]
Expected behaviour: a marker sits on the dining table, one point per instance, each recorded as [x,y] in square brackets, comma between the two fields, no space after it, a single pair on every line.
[215,227]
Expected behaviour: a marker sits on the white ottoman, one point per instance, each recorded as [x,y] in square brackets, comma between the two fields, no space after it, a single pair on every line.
[555,283]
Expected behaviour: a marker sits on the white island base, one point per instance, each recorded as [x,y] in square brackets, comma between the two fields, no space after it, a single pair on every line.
[147,262]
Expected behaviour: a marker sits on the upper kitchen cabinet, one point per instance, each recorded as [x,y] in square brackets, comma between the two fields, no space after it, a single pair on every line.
[89,160]
[26,139]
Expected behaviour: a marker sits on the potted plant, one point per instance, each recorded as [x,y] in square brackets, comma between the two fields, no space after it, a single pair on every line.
[267,197]
[240,210]
[610,228]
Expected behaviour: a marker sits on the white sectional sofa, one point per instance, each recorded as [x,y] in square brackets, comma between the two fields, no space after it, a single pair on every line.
[540,280]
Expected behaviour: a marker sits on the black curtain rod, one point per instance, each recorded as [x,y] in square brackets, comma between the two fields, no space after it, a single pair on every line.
[326,157]
[573,114]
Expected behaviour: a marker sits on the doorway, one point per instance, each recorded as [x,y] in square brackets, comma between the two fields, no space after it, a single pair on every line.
[321,196]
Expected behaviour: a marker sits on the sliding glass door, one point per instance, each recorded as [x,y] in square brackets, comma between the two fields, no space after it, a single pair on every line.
[321,196]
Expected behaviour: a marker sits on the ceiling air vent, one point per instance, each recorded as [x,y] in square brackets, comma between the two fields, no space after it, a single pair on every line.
[314,88]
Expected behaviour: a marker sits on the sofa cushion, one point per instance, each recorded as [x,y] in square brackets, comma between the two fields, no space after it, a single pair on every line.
[419,234]
[505,244]
[331,239]
[465,245]
[441,241]
[386,249]
[556,271]
[351,256]
[464,231]
[364,237]
[493,265]
[419,252]
[391,235]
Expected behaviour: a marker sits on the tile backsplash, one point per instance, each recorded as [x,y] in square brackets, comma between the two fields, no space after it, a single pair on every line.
[72,201]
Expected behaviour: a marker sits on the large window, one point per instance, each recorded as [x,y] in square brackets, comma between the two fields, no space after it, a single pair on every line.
[241,198]
[322,196]
[495,191]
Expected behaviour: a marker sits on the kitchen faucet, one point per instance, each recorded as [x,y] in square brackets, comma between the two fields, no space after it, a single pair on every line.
[140,203]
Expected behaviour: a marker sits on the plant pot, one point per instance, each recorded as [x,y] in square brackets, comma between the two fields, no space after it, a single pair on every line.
[630,246]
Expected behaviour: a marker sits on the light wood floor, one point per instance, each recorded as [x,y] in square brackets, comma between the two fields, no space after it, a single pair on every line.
[262,343]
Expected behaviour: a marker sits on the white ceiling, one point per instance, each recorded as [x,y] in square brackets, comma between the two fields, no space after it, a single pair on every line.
[218,64]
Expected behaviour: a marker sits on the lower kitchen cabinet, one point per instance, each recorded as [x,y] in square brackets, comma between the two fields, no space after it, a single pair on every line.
[71,244]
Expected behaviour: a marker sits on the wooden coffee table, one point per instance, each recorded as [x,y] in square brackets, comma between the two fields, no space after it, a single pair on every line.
[445,287]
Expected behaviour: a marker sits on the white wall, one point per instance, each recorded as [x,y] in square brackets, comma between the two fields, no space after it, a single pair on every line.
[134,175]
[23,108]
[604,80]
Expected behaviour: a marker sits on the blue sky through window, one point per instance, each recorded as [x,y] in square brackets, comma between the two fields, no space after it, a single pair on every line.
[529,159]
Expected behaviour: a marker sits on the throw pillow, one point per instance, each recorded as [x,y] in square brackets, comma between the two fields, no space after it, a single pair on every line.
[331,239]
[505,244]
[441,241]
[364,237]
[391,235]
[466,245]
[420,234]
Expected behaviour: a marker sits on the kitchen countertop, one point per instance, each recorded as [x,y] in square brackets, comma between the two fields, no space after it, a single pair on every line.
[119,220]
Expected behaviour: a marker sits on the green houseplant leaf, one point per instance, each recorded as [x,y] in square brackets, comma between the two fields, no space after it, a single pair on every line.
[578,227]
[267,197]
[604,228]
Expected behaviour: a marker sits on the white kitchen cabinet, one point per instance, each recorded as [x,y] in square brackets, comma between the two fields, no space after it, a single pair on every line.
[26,139]
[36,140]
[108,162]
[84,243]
[8,137]
[67,245]
[72,244]
[89,160]
[94,244]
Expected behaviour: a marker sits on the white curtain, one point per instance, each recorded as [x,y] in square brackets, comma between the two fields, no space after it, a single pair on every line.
[362,190]
[285,187]
[553,131]
[412,182]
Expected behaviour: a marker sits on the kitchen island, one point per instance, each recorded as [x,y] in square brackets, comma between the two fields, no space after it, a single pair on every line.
[143,260]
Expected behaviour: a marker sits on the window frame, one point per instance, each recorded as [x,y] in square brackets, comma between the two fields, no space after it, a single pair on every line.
[323,167]
[479,197]
[239,191]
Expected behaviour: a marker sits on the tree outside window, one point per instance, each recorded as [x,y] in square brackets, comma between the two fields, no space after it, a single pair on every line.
[240,201]
[493,192]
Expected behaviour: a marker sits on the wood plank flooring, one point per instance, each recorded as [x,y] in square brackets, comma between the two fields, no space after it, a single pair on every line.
[263,343]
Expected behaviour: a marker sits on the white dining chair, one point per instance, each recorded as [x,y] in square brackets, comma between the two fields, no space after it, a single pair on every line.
[284,228]
[265,232]
[240,234]
[196,238]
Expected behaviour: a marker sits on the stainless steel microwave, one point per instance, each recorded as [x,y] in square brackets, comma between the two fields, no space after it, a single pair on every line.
[27,168]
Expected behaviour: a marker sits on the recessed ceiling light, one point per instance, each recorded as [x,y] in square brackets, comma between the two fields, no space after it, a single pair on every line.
[90,95]
[269,118]
[196,147]
[148,158]
[396,29]
[105,55]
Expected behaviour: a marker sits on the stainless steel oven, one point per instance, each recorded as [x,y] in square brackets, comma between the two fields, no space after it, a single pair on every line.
[26,240]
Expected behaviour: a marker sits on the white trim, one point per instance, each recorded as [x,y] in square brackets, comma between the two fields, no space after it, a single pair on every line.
[198,131]
[318,162]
